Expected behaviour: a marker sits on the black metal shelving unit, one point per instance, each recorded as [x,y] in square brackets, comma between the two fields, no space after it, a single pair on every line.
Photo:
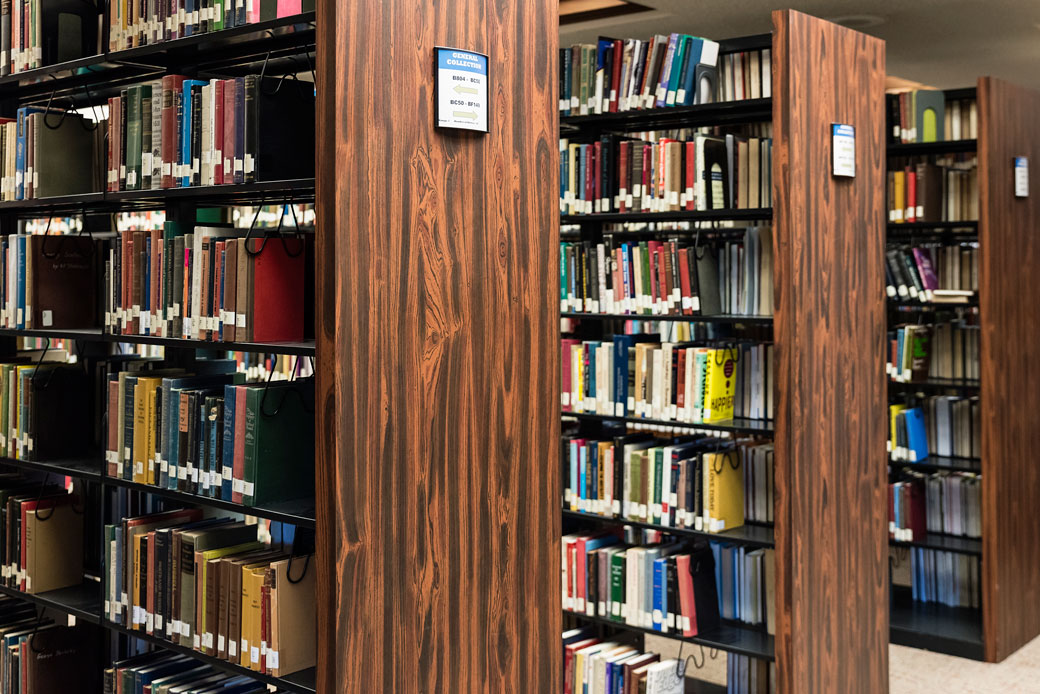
[722,215]
[936,463]
[969,386]
[282,45]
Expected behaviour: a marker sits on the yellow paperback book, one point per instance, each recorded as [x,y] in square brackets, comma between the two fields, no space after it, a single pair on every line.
[723,491]
[720,384]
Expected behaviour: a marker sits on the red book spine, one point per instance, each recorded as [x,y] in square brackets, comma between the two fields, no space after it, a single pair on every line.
[684,282]
[238,466]
[615,76]
[662,278]
[691,156]
[218,291]
[590,168]
[680,381]
[619,282]
[128,245]
[911,194]
[891,509]
[218,132]
[648,159]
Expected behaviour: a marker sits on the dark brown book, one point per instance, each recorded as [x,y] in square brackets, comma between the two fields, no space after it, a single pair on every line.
[204,287]
[58,653]
[62,282]
[140,263]
[929,193]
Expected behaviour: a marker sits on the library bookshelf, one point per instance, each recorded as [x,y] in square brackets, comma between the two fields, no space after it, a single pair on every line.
[827,332]
[281,45]
[1006,386]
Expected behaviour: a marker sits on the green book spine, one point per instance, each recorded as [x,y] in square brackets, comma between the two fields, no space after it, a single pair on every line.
[644,259]
[218,15]
[133,137]
[658,479]
[249,450]
[617,586]
[674,81]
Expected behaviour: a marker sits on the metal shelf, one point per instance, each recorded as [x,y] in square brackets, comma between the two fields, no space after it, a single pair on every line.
[295,190]
[943,543]
[717,318]
[732,637]
[135,64]
[934,385]
[736,425]
[951,630]
[944,147]
[731,215]
[748,535]
[718,113]
[937,463]
[302,682]
[305,348]
[82,601]
[300,512]
[911,227]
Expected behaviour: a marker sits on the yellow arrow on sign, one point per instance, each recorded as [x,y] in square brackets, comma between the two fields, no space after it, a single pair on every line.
[464,114]
[459,89]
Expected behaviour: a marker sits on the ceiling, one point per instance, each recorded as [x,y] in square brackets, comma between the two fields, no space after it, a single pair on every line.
[941,43]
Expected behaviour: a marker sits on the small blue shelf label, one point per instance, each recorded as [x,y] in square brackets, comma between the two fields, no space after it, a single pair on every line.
[843,149]
[1021,177]
[462,89]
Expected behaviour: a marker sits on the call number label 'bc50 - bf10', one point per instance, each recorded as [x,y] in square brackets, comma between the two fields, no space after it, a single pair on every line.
[462,89]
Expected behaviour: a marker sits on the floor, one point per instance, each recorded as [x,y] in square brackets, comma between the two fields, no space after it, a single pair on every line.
[913,671]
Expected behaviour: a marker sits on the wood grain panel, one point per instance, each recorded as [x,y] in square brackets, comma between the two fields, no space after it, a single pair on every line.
[439,353]
[831,522]
[1009,255]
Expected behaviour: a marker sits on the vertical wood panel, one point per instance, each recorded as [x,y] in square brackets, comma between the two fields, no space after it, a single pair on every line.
[438,353]
[832,585]
[1009,239]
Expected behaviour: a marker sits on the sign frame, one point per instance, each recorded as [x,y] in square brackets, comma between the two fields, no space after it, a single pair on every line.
[437,95]
[843,144]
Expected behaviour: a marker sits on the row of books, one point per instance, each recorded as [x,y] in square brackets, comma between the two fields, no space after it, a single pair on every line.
[632,376]
[747,584]
[942,425]
[684,483]
[212,435]
[945,191]
[947,578]
[179,132]
[39,655]
[929,351]
[621,75]
[161,672]
[667,587]
[132,24]
[592,665]
[943,502]
[41,535]
[687,171]
[212,283]
[43,407]
[747,675]
[44,153]
[669,277]
[925,115]
[941,274]
[210,585]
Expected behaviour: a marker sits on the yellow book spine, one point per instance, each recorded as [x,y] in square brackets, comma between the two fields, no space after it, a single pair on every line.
[149,454]
[140,433]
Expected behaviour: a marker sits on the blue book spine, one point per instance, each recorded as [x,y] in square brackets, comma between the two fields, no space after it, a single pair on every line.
[186,123]
[200,457]
[582,476]
[228,451]
[212,489]
[659,595]
[189,18]
[590,353]
[19,164]
[21,282]
[626,260]
[622,344]
[564,295]
[574,470]
[693,58]
[716,550]
[173,405]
